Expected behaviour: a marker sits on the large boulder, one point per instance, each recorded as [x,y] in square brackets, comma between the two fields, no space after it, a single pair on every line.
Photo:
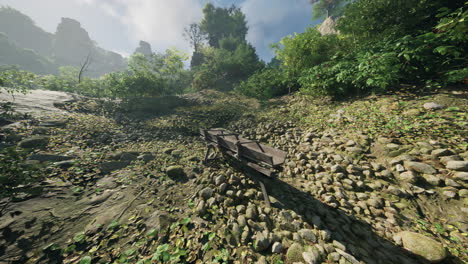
[423,246]
[328,27]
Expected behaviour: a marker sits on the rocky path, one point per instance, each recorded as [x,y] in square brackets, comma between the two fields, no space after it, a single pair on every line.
[38,102]
[136,192]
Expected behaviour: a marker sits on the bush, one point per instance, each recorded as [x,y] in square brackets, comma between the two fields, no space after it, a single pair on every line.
[264,84]
[436,56]
[306,50]
[225,67]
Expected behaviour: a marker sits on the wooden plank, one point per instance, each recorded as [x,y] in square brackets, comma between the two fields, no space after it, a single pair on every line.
[248,149]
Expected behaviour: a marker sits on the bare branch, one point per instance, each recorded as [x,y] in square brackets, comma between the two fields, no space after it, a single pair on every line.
[84,66]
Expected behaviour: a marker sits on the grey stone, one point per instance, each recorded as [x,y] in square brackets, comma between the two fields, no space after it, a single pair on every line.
[307,235]
[441,152]
[423,246]
[64,164]
[262,241]
[201,208]
[452,183]
[339,245]
[220,180]
[337,168]
[311,257]
[376,202]
[458,165]
[347,256]
[146,157]
[175,172]
[420,167]
[461,176]
[433,106]
[399,168]
[432,179]
[277,248]
[407,176]
[294,253]
[206,193]
[251,213]
[159,220]
[34,142]
[450,194]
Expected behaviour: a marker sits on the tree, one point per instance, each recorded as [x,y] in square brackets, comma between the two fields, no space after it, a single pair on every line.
[326,8]
[219,23]
[224,68]
[84,66]
[194,35]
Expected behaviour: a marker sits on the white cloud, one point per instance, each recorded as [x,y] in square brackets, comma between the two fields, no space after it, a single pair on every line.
[160,22]
[270,20]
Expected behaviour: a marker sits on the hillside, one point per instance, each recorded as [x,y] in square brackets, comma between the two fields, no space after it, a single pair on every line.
[28,44]
[362,180]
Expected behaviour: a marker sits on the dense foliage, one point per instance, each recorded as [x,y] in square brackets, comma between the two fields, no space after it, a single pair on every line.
[264,84]
[146,76]
[224,67]
[381,44]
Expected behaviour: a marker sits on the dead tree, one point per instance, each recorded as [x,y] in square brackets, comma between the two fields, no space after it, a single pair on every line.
[84,66]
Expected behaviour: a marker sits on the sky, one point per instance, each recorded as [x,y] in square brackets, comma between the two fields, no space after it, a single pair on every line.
[119,25]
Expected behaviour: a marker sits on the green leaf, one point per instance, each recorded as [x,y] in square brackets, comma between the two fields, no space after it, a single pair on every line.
[114,224]
[186,221]
[79,238]
[85,260]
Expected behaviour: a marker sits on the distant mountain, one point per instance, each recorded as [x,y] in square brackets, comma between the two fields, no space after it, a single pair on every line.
[31,48]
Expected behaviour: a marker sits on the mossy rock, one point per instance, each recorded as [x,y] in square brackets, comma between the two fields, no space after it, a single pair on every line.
[423,246]
[294,253]
[175,172]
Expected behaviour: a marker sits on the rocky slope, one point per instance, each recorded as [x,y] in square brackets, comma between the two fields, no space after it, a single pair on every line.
[376,180]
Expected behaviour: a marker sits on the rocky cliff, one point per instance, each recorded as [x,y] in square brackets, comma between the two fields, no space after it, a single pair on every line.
[31,48]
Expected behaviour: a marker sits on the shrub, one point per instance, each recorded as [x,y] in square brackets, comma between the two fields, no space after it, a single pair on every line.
[264,84]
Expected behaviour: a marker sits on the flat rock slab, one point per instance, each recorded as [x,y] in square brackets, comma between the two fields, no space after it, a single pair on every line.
[38,101]
[34,142]
[53,123]
[45,157]
[423,246]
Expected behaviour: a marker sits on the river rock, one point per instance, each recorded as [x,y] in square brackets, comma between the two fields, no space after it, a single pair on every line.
[441,152]
[310,257]
[457,165]
[461,176]
[420,167]
[206,193]
[262,241]
[307,235]
[423,246]
[433,106]
[220,180]
[277,248]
